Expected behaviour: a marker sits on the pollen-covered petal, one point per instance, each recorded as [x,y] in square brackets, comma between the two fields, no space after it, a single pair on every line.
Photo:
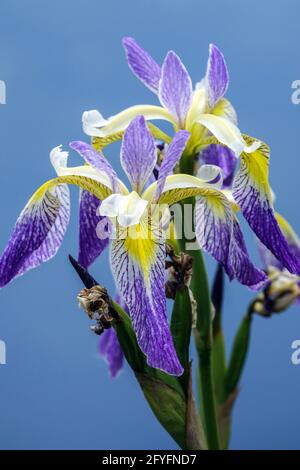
[38,232]
[142,64]
[217,76]
[175,88]
[138,265]
[138,153]
[120,121]
[252,193]
[227,133]
[173,154]
[218,232]
[96,160]
[94,229]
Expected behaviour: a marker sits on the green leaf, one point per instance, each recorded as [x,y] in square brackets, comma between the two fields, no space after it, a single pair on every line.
[181,327]
[219,365]
[238,355]
[128,342]
[168,406]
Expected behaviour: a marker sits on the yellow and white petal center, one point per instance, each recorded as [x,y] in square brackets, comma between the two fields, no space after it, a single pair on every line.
[127,209]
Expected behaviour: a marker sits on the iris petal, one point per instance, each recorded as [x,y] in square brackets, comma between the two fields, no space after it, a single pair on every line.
[218,232]
[217,76]
[38,232]
[138,153]
[175,88]
[142,64]
[138,266]
[91,244]
[252,192]
[173,154]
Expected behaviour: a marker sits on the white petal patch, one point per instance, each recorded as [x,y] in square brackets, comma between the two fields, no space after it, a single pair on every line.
[212,174]
[91,121]
[128,209]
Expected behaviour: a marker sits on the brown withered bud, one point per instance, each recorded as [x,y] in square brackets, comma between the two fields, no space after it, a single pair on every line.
[179,272]
[97,304]
[94,301]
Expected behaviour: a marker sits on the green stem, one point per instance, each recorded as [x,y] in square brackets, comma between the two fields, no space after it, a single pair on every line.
[203,333]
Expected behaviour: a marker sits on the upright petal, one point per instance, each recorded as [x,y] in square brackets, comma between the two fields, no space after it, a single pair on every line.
[218,232]
[138,266]
[110,350]
[217,77]
[252,192]
[38,232]
[91,244]
[96,160]
[138,153]
[224,158]
[142,64]
[175,88]
[173,154]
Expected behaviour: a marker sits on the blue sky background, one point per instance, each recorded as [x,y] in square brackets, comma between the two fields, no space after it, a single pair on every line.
[58,59]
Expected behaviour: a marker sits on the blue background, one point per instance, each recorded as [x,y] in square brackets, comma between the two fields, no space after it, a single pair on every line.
[58,59]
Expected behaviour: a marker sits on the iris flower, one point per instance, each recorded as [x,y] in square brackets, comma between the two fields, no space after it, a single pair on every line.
[138,247]
[210,119]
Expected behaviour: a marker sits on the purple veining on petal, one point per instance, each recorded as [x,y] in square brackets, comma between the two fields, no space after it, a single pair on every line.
[90,244]
[172,156]
[110,350]
[217,76]
[175,88]
[142,64]
[259,213]
[138,153]
[224,158]
[37,235]
[221,236]
[147,304]
[96,160]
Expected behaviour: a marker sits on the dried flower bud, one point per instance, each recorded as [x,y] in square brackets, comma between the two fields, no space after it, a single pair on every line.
[179,272]
[94,301]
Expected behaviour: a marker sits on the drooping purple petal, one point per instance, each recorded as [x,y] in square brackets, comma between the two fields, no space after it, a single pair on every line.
[110,350]
[173,154]
[217,76]
[218,232]
[268,259]
[251,191]
[142,64]
[96,160]
[109,346]
[175,88]
[138,153]
[138,266]
[91,241]
[224,158]
[38,232]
